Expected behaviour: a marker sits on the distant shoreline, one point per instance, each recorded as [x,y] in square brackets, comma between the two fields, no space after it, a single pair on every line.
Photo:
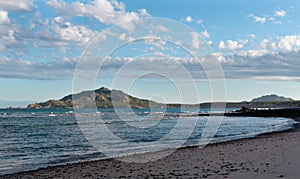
[106,98]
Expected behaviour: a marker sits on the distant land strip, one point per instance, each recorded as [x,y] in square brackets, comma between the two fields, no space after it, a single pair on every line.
[105,98]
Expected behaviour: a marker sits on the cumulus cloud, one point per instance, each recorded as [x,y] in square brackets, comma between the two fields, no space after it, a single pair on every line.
[155,40]
[272,19]
[230,45]
[283,44]
[17,5]
[107,12]
[280,45]
[221,45]
[279,66]
[188,19]
[253,36]
[272,59]
[269,18]
[198,44]
[123,37]
[70,32]
[45,36]
[261,20]
[280,13]
[196,41]
[8,35]
[265,62]
[277,58]
[4,16]
[161,28]
[289,43]
[244,65]
[205,34]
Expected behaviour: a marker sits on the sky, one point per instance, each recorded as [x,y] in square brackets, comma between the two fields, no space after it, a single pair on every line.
[169,51]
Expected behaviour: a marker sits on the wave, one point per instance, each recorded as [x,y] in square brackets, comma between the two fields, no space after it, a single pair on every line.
[38,140]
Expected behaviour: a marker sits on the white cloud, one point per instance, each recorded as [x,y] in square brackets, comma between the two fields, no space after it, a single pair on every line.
[154,40]
[252,64]
[264,19]
[264,44]
[258,19]
[143,12]
[105,11]
[205,34]
[199,21]
[272,58]
[196,41]
[17,5]
[289,43]
[244,41]
[124,37]
[221,45]
[284,44]
[235,66]
[281,45]
[70,32]
[4,16]
[230,45]
[269,56]
[253,36]
[8,33]
[188,19]
[219,56]
[261,65]
[280,13]
[272,19]
[161,28]
[24,69]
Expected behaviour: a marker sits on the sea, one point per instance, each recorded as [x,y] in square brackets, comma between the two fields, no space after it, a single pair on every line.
[38,138]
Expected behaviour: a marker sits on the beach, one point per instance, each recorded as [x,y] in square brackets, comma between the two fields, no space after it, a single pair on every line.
[273,155]
[149,89]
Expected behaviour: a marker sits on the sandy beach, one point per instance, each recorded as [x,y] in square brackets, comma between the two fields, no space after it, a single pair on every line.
[273,155]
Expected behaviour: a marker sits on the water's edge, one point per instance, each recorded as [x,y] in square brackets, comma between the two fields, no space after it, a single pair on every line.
[88,157]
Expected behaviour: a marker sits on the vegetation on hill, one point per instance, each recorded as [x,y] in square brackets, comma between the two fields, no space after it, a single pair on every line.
[105,98]
[102,98]
[271,98]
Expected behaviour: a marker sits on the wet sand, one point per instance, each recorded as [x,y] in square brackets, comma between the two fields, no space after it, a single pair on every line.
[275,155]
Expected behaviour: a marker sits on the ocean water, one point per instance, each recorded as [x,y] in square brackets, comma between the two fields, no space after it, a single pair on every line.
[35,138]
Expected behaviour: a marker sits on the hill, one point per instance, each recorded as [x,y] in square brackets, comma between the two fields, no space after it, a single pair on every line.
[271,98]
[101,97]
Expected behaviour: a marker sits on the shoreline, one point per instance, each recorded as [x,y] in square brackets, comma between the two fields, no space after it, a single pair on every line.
[82,169]
[111,167]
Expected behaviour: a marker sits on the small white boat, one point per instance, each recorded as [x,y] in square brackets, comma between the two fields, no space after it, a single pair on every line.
[51,114]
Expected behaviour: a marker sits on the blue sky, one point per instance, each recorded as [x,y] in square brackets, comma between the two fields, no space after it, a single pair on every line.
[257,44]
